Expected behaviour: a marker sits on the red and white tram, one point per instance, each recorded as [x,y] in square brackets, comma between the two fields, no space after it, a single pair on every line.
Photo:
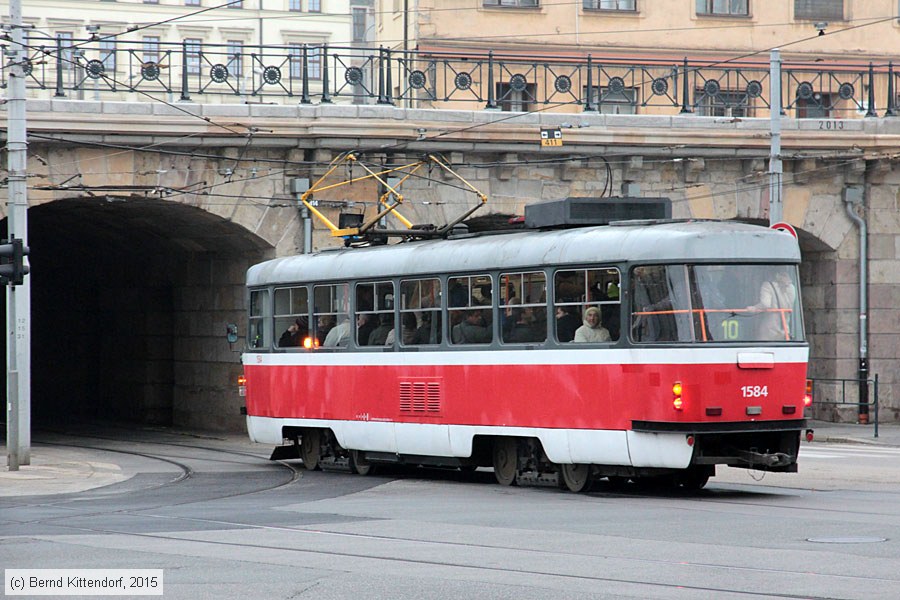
[479,351]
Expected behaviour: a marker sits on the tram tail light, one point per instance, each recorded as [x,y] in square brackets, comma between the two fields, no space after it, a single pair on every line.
[677,401]
[808,396]
[242,385]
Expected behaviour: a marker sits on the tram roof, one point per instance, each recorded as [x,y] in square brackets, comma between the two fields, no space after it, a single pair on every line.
[661,242]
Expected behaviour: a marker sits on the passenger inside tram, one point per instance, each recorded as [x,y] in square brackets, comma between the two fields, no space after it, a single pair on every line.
[385,325]
[294,334]
[525,326]
[324,324]
[429,331]
[365,325]
[592,331]
[473,329]
[567,323]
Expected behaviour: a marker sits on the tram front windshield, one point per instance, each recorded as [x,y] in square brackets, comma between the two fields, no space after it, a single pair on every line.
[715,303]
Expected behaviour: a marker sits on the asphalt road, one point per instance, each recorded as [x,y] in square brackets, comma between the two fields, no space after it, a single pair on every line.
[221,521]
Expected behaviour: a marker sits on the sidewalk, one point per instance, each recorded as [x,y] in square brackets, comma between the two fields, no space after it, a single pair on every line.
[64,470]
[60,470]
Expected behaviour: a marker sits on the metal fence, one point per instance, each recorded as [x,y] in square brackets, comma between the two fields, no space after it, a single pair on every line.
[304,73]
[863,394]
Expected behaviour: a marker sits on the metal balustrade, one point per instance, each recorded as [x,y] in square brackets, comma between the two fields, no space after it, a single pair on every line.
[323,74]
[834,392]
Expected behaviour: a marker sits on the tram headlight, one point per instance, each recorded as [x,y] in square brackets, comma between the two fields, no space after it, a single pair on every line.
[677,400]
[308,343]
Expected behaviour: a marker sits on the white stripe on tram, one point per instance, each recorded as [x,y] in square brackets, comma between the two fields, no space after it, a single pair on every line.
[580,356]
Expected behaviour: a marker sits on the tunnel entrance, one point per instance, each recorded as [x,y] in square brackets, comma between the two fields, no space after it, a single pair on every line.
[130,298]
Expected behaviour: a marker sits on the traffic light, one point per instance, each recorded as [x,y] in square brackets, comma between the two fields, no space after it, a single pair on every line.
[12,263]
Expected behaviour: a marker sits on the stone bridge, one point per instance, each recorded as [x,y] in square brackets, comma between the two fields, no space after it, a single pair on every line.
[144,218]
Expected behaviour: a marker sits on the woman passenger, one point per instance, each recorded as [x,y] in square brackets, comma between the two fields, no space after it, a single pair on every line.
[592,331]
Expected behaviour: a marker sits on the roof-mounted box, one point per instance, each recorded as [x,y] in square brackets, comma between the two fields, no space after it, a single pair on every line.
[582,212]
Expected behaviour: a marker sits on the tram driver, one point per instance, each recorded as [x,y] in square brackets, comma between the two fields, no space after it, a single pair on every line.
[776,298]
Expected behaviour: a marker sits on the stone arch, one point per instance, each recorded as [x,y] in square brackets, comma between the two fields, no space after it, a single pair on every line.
[130,298]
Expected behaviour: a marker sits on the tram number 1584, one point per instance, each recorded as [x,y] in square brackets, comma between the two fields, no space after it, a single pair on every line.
[755,391]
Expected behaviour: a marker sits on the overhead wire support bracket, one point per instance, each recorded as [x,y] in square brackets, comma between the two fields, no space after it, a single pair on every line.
[390,200]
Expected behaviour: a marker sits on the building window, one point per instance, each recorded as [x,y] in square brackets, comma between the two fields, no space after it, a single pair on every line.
[295,55]
[728,8]
[814,10]
[192,2]
[514,98]
[193,47]
[359,23]
[314,62]
[610,5]
[614,101]
[236,4]
[150,49]
[295,5]
[151,1]
[235,49]
[108,55]
[314,6]
[723,104]
[820,106]
[512,3]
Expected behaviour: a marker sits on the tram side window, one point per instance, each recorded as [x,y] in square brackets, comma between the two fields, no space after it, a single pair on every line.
[256,335]
[332,315]
[587,305]
[374,313]
[523,307]
[291,316]
[420,312]
[661,308]
[470,298]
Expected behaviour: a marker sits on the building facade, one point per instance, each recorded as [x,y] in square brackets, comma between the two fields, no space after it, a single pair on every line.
[216,50]
[661,57]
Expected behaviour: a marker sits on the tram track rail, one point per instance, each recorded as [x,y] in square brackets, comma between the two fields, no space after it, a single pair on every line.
[186,473]
[409,544]
[357,556]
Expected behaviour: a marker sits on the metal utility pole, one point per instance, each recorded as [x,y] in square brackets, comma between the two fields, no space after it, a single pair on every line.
[299,185]
[776,206]
[18,298]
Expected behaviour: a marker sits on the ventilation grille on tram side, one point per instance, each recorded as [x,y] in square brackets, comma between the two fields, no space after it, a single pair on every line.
[422,398]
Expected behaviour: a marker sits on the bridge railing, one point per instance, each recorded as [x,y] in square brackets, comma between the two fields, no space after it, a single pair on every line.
[306,73]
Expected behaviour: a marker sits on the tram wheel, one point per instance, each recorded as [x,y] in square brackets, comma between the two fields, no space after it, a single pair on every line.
[506,461]
[576,478]
[358,464]
[694,478]
[310,449]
